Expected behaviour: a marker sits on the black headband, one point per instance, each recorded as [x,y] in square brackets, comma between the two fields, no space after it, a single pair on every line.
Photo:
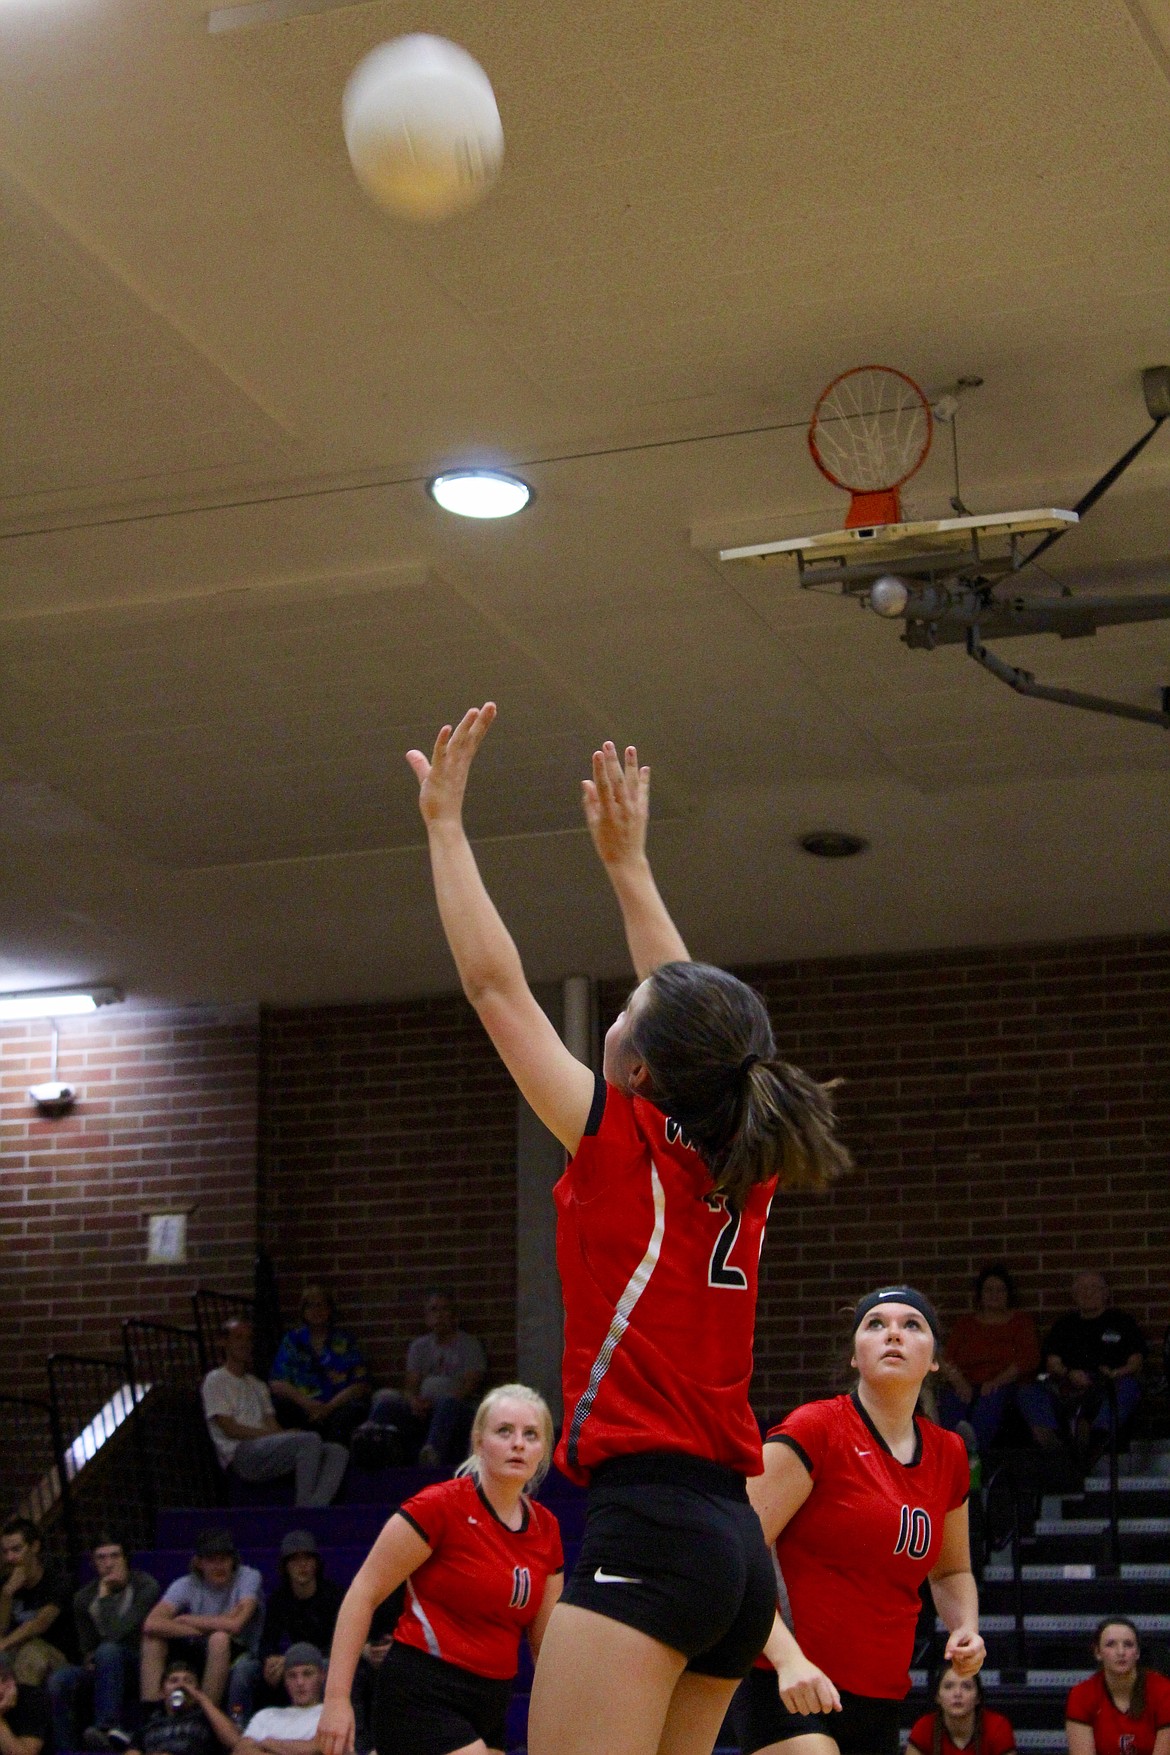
[898,1295]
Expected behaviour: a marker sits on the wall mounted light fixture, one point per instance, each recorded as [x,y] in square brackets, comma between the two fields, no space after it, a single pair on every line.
[55,1002]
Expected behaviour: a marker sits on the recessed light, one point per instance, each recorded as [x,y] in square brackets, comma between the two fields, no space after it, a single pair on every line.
[832,844]
[480,493]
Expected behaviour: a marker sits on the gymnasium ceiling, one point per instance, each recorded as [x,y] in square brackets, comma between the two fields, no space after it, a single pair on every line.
[227,605]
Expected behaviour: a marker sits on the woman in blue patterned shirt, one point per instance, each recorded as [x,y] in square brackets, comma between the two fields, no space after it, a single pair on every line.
[319,1377]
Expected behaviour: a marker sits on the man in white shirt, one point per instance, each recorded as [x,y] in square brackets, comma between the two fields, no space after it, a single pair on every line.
[290,1730]
[247,1436]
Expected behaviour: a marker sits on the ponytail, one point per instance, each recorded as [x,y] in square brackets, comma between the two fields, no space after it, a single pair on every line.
[783,1127]
[706,1042]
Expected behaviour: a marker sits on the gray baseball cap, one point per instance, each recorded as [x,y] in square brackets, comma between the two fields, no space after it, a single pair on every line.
[303,1653]
[299,1542]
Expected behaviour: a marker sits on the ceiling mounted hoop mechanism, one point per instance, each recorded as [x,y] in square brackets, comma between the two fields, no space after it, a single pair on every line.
[870,432]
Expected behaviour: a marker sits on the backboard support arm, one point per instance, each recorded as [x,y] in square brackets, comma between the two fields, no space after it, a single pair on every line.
[1099,487]
[1024,683]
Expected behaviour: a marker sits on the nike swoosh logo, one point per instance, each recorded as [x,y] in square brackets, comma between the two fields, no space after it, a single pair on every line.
[863,1453]
[601,1577]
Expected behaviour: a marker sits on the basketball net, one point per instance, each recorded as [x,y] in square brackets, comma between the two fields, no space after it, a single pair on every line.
[870,432]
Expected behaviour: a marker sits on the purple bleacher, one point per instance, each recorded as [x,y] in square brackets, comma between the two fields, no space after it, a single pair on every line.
[359,1487]
[262,1520]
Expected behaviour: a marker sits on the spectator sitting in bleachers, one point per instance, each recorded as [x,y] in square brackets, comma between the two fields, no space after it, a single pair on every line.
[24,1713]
[34,1602]
[249,1439]
[290,1729]
[109,1613]
[211,1617]
[185,1721]
[989,1350]
[1083,1348]
[301,1610]
[1125,1708]
[960,1721]
[319,1376]
[445,1369]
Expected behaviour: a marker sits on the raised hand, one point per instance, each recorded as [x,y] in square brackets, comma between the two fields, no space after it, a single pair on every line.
[617,806]
[443,779]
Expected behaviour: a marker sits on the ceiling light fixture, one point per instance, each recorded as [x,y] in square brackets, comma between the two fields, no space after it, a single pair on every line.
[480,493]
[832,844]
[55,1002]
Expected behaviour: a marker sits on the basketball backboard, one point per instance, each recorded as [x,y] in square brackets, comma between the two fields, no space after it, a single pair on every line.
[931,548]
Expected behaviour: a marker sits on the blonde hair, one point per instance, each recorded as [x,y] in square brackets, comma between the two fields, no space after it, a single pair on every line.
[514,1392]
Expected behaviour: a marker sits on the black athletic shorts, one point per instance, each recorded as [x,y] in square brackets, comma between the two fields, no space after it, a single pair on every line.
[426,1706]
[673,1548]
[864,1726]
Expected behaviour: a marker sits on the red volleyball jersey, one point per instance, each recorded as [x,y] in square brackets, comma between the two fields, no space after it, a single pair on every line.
[659,1281]
[1116,1733]
[483,1583]
[851,1562]
[996,1736]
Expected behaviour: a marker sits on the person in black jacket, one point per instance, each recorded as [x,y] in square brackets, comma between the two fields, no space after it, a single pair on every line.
[36,1628]
[108,1613]
[1086,1349]
[302,1609]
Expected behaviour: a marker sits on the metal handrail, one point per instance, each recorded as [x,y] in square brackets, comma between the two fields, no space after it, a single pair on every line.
[35,1483]
[91,1401]
[211,1310]
[1114,1561]
[174,1449]
[1009,1471]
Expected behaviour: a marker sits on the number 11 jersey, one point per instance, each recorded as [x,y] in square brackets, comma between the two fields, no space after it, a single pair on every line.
[659,1279]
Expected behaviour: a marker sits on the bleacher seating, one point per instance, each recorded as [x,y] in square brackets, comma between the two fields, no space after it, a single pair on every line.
[1066,1583]
[1068,1589]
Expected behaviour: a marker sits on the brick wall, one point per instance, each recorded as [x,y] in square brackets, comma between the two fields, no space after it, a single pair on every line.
[1007,1104]
[389,1165]
[165,1119]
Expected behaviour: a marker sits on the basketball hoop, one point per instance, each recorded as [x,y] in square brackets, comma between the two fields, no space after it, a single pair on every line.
[870,432]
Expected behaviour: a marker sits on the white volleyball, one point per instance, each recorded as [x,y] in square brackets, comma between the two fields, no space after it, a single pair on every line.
[422,127]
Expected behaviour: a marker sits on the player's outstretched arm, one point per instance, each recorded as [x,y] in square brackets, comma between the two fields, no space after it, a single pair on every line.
[557,1086]
[803,1687]
[398,1551]
[617,810]
[956,1596]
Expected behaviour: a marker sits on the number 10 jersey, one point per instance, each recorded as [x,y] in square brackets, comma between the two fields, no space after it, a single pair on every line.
[853,1558]
[659,1279]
